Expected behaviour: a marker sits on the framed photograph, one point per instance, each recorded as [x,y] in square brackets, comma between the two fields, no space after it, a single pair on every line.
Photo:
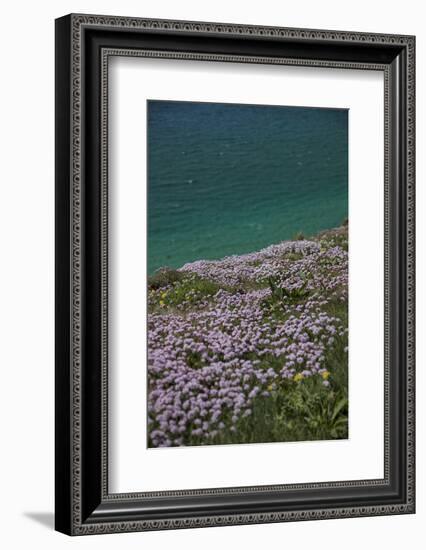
[234,274]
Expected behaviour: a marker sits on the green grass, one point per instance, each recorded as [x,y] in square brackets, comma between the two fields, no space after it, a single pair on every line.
[296,411]
[171,289]
[164,277]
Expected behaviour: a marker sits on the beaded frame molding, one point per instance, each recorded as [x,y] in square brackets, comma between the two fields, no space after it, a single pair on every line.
[84,44]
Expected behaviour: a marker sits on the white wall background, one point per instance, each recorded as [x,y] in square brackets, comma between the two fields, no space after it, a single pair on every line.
[26,289]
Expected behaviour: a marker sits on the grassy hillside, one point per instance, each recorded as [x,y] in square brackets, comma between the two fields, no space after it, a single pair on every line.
[251,348]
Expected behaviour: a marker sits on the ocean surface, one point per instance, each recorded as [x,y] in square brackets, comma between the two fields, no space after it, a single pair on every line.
[228,179]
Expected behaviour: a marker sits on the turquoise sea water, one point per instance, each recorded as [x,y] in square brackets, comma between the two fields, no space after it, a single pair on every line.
[229,179]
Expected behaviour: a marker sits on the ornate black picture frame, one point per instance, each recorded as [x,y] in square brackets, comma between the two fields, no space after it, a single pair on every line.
[84,44]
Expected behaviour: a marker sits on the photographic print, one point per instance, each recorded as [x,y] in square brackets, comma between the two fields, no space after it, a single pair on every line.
[207,250]
[247,274]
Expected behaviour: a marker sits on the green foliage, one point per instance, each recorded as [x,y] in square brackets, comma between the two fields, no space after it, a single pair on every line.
[293,256]
[164,277]
[336,237]
[296,411]
[299,236]
[185,291]
[193,360]
[281,298]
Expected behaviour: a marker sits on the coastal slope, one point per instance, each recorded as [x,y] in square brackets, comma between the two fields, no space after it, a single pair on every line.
[251,348]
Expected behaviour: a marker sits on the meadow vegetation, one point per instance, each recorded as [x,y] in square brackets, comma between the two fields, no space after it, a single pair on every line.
[251,348]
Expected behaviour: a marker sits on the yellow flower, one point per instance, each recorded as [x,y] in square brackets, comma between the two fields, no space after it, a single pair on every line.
[325,374]
[298,377]
[163,294]
[270,388]
[161,303]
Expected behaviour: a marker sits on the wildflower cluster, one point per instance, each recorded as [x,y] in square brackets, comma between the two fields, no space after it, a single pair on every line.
[228,336]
